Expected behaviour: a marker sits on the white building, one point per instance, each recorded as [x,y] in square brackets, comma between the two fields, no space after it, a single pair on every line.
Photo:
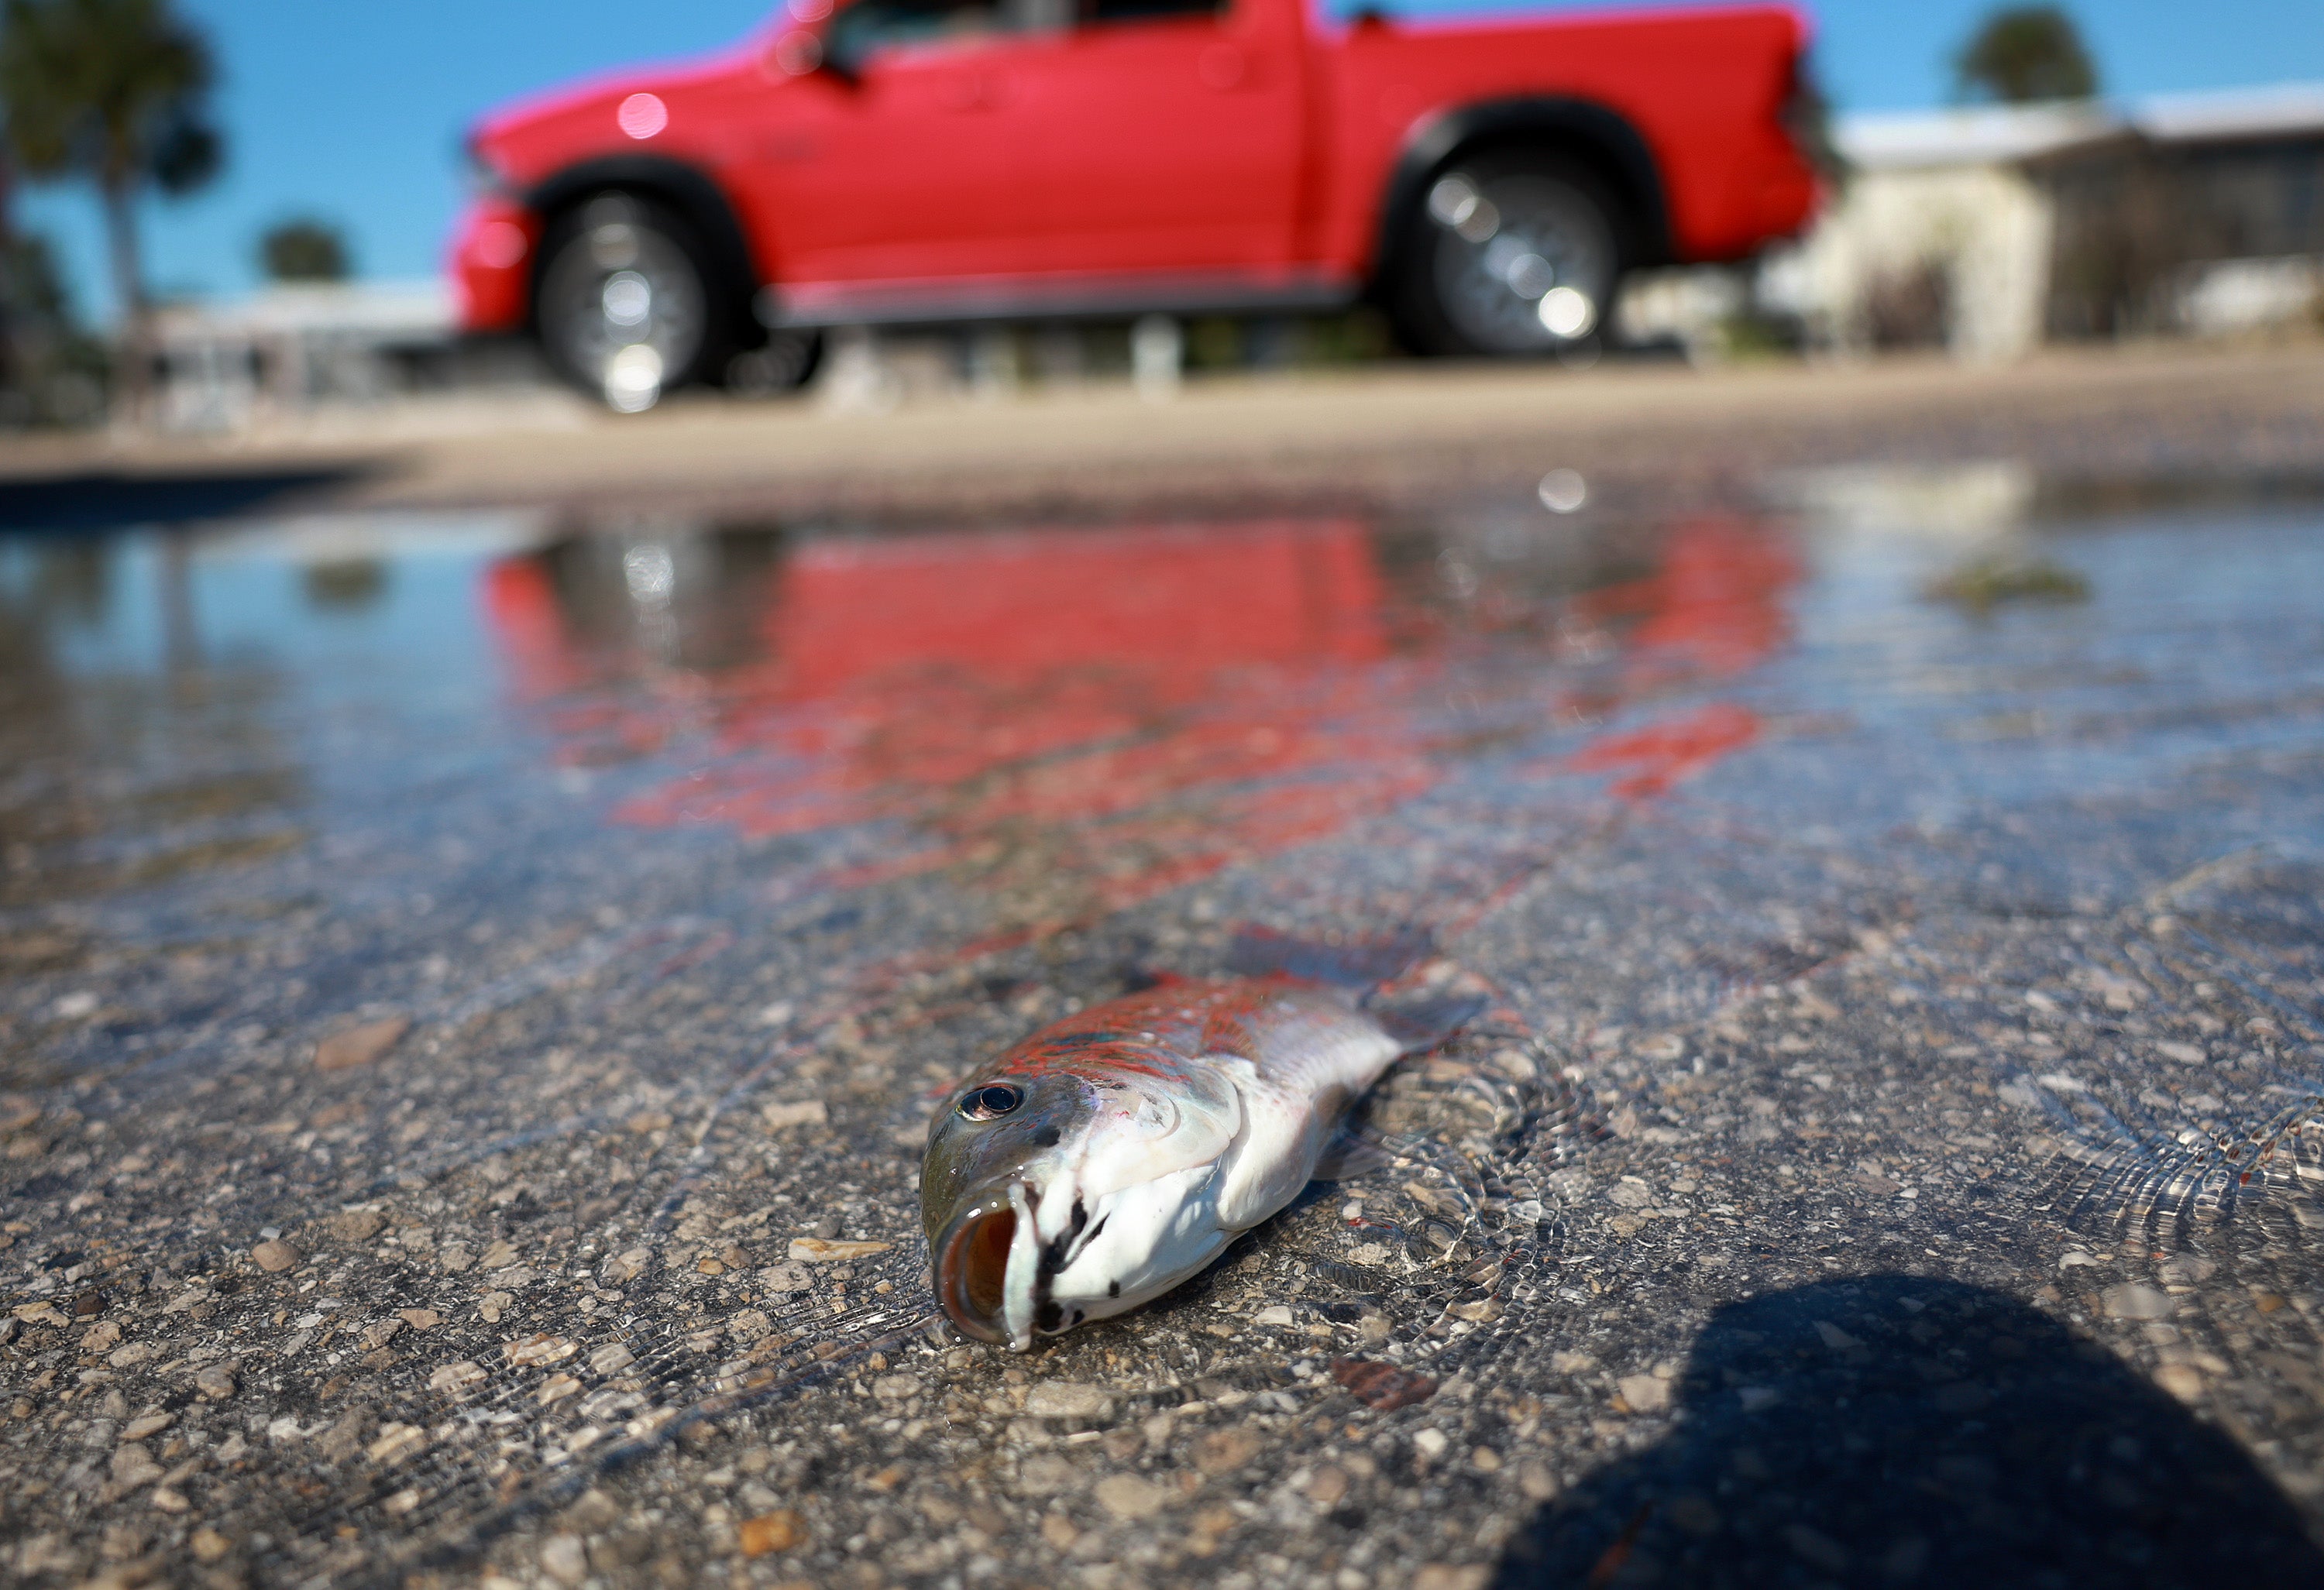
[296,350]
[1991,229]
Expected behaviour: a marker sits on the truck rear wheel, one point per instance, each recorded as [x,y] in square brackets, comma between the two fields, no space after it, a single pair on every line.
[1508,255]
[626,309]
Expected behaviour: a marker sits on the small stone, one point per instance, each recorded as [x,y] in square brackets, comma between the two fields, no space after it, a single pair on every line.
[1643,1392]
[1373,1254]
[215,1382]
[166,1499]
[785,1278]
[420,1319]
[209,1545]
[499,1256]
[493,1305]
[556,1389]
[1277,1314]
[1382,1387]
[1628,1195]
[535,1351]
[133,1466]
[101,1337]
[808,1112]
[1430,1443]
[780,1531]
[2188,1270]
[611,1360]
[454,1257]
[1129,1496]
[1058,1530]
[355,1224]
[379,1333]
[88,1304]
[2132,1301]
[1047,1473]
[625,1267]
[1224,1451]
[563,1560]
[2182,1381]
[1834,1338]
[350,1047]
[397,1443]
[147,1424]
[275,1255]
[123,1357]
[898,1388]
[457,1375]
[817,1250]
[1328,1486]
[1439,1576]
[1537,1480]
[1064,1399]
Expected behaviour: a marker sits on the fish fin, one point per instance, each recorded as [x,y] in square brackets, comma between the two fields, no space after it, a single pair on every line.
[1424,1019]
[1350,962]
[1350,1154]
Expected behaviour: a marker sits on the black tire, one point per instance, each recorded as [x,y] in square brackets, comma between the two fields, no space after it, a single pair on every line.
[1508,255]
[786,361]
[625,305]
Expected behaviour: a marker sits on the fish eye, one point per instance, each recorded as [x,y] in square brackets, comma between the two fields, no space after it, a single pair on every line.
[990,1102]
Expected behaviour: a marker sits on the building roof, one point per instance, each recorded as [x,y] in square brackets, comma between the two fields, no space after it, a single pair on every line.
[2005,135]
[1978,135]
[2268,110]
[379,312]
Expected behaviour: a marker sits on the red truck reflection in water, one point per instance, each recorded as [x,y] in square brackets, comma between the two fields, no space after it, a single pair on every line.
[1077,720]
[1486,182]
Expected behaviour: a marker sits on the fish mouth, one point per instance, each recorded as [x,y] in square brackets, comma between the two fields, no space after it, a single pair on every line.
[971,1264]
[993,1270]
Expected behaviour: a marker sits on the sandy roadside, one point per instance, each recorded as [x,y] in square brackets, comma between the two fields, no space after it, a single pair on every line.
[1382,437]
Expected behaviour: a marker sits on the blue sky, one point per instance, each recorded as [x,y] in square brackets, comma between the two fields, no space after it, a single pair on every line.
[353,111]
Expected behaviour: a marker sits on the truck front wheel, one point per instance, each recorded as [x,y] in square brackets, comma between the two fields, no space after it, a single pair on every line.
[1509,255]
[625,309]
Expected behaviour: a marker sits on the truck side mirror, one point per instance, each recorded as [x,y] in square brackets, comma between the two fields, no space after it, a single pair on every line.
[802,51]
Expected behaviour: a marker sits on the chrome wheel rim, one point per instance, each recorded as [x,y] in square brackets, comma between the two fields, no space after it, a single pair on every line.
[1522,263]
[623,305]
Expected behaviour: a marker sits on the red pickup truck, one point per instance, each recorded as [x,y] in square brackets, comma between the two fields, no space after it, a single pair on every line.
[946,161]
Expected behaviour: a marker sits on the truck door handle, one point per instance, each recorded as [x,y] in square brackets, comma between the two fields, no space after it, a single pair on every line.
[1222,67]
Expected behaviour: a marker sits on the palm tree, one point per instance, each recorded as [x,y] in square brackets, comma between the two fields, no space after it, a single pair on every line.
[115,92]
[2025,52]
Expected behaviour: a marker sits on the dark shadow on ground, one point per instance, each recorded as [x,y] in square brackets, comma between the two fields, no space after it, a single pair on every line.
[1892,1430]
[108,499]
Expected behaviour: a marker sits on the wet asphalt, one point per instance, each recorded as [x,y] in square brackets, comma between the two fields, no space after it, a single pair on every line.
[472,987]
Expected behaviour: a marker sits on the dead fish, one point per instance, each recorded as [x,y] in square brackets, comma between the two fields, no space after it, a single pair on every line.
[1097,1163]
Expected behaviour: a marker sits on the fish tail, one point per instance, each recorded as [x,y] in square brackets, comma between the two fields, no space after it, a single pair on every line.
[1353,961]
[1424,1019]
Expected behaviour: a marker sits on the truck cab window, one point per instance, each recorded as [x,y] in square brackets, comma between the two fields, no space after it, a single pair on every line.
[869,27]
[1097,13]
